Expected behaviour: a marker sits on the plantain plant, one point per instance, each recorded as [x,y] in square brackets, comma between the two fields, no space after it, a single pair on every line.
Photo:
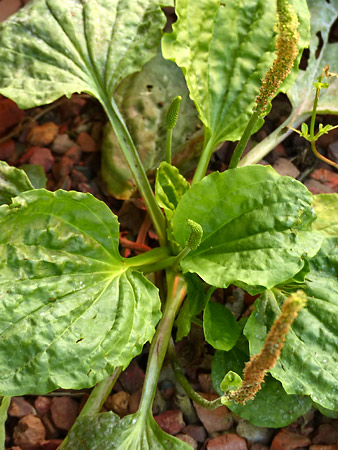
[74,312]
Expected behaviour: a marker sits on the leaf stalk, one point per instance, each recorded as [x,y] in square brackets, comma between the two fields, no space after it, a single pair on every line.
[136,167]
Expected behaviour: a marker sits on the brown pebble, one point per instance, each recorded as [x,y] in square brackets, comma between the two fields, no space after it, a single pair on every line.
[74,153]
[119,403]
[132,378]
[219,419]
[64,183]
[29,432]
[51,444]
[19,407]
[227,442]
[206,383]
[10,114]
[7,149]
[323,447]
[195,431]
[62,143]
[326,433]
[62,167]
[64,411]
[171,421]
[42,134]
[86,142]
[187,439]
[42,405]
[286,440]
[134,401]
[51,431]
[38,155]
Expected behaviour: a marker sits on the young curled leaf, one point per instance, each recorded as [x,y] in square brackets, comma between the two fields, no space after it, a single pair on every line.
[173,111]
[196,234]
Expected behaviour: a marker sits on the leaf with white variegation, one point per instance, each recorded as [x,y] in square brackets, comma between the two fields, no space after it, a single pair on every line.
[71,310]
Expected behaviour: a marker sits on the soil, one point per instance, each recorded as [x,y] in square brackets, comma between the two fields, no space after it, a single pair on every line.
[65,139]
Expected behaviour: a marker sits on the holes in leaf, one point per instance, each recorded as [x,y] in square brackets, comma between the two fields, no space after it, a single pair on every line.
[304,60]
[79,340]
[320,44]
[149,87]
[333,35]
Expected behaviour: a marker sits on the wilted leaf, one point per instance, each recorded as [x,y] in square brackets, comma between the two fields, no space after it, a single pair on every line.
[144,99]
[323,15]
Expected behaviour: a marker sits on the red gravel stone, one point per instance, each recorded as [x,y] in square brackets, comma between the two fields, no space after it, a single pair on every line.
[42,405]
[171,421]
[7,149]
[219,419]
[323,447]
[51,444]
[10,114]
[86,142]
[227,442]
[63,167]
[38,155]
[29,432]
[19,407]
[326,433]
[74,153]
[286,440]
[187,439]
[64,411]
[132,378]
[195,431]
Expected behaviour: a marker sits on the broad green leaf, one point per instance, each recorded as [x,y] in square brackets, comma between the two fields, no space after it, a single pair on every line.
[308,364]
[13,181]
[326,260]
[4,405]
[36,175]
[51,48]
[220,327]
[106,431]
[301,95]
[71,310]
[192,306]
[326,207]
[255,228]
[224,52]
[143,99]
[271,407]
[170,186]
